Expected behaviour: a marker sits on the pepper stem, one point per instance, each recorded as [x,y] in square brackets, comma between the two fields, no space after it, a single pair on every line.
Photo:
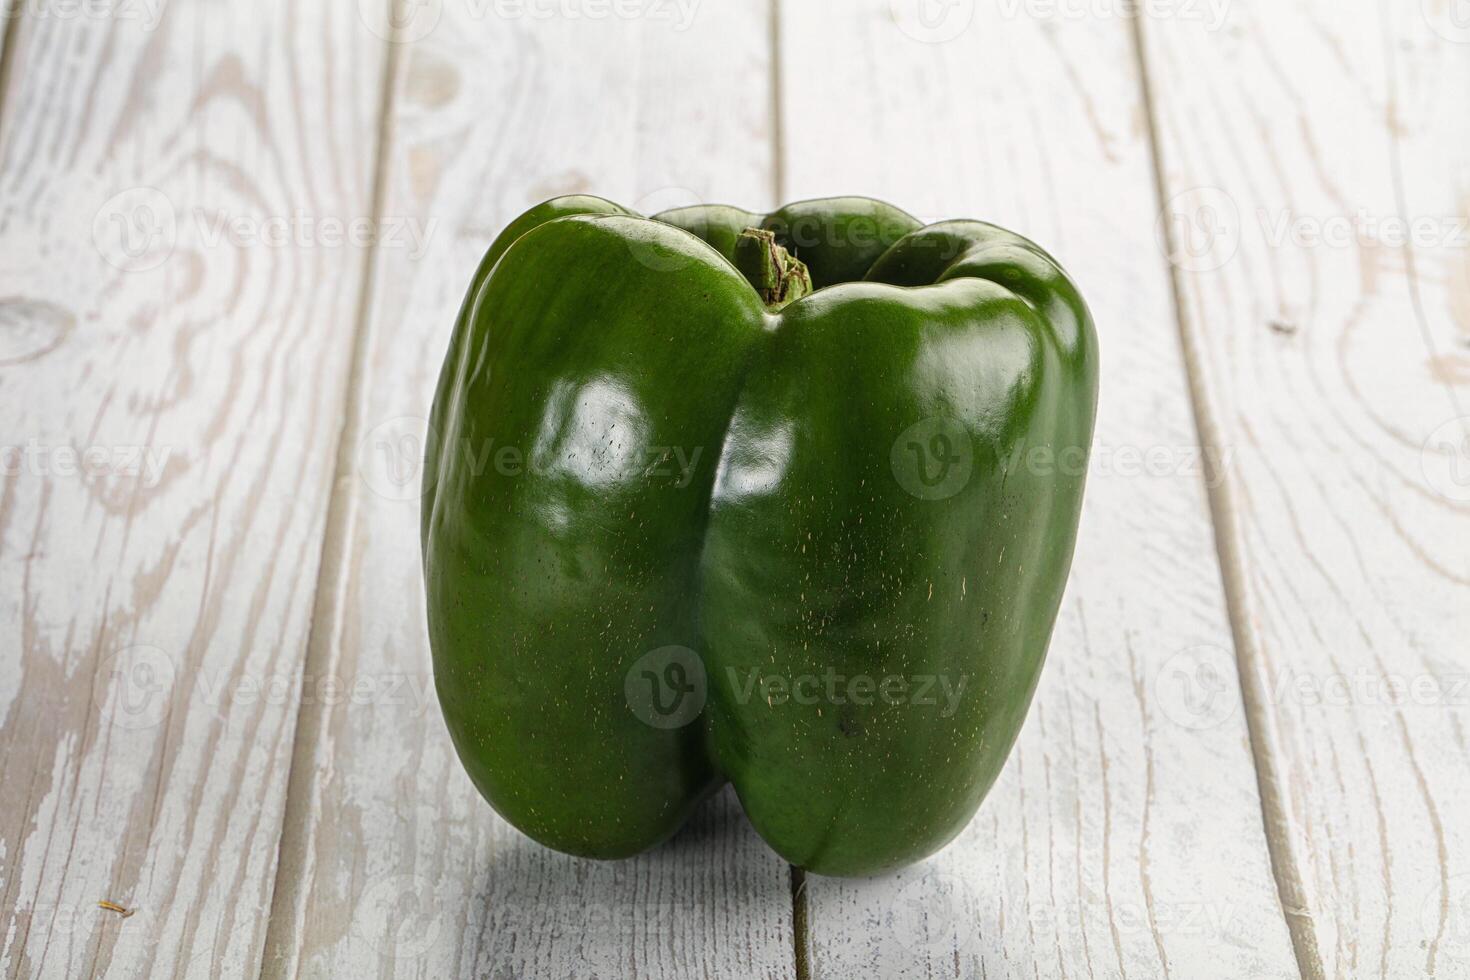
[777,275]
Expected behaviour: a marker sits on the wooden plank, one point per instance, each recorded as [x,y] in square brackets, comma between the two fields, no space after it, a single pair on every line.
[172,375]
[1125,836]
[392,863]
[1332,360]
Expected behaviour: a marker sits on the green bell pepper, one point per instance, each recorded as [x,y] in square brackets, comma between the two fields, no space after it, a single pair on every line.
[787,500]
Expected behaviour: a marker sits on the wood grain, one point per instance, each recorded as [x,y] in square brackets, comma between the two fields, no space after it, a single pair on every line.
[1331,359]
[1125,836]
[216,709]
[155,617]
[392,863]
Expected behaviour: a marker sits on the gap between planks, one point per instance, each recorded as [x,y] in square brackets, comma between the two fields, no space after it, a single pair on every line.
[1232,571]
[331,577]
[292,879]
[800,928]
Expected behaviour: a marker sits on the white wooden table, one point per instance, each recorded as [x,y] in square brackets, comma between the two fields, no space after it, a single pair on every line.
[232,239]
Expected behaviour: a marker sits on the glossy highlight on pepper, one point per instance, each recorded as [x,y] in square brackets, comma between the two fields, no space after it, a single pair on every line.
[720,496]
